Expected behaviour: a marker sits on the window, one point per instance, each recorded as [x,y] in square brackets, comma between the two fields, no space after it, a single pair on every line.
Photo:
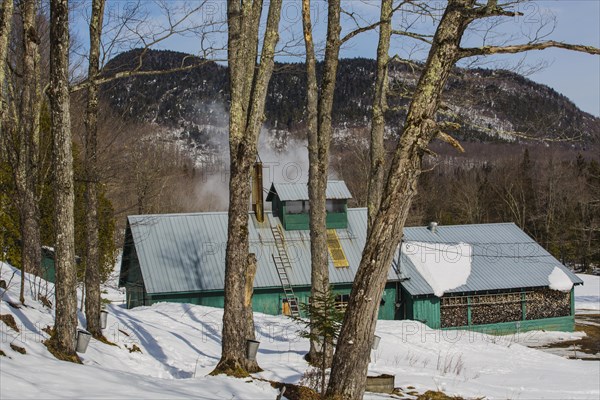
[293,207]
[297,207]
[335,206]
[341,301]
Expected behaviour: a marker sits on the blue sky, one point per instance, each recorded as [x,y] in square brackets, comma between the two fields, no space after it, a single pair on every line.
[575,75]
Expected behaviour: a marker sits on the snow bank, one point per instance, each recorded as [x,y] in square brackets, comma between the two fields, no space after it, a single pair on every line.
[559,280]
[180,345]
[444,266]
[587,296]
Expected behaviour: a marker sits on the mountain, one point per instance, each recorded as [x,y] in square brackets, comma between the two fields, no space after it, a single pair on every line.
[490,105]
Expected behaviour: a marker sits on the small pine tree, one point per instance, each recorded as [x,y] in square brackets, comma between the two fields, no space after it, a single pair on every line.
[322,325]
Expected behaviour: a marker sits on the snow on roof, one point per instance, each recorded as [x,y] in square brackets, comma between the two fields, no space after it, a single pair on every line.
[443,266]
[503,257]
[559,280]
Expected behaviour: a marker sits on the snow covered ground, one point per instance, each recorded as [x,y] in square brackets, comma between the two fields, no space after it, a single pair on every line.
[180,345]
[587,296]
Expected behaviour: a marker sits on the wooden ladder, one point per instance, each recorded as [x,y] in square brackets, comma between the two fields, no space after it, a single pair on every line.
[282,261]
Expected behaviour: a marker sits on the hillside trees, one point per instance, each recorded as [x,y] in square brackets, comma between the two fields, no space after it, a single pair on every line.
[249,75]
[348,375]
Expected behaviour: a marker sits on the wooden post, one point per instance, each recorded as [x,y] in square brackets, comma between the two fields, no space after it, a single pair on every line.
[469,310]
[524,305]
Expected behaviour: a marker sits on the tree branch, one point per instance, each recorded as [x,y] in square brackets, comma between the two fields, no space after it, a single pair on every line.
[488,50]
[421,37]
[132,73]
[450,140]
[355,32]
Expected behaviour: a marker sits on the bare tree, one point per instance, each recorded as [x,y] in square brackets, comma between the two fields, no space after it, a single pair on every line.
[319,127]
[63,341]
[348,375]
[377,150]
[92,256]
[27,143]
[249,75]
[6,18]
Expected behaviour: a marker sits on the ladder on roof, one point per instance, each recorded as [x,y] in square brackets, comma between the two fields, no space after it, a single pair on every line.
[282,261]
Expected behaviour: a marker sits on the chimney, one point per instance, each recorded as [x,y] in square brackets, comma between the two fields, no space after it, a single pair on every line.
[257,192]
[432,226]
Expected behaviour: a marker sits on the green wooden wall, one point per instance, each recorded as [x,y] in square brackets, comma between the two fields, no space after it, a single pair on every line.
[299,222]
[48,271]
[267,301]
[422,309]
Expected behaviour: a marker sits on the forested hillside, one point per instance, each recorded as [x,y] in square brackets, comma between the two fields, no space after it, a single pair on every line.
[490,105]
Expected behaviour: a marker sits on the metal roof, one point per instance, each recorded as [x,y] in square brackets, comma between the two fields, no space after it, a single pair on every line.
[186,253]
[503,257]
[299,191]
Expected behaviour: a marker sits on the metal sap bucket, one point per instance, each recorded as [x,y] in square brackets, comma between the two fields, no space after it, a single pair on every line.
[376,340]
[83,339]
[103,319]
[251,349]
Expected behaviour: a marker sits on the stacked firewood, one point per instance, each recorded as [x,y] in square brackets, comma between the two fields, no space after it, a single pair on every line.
[495,308]
[548,303]
[454,312]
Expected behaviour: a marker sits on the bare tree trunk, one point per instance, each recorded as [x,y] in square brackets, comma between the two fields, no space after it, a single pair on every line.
[66,295]
[6,18]
[249,80]
[319,108]
[377,151]
[249,290]
[29,131]
[316,181]
[348,375]
[92,253]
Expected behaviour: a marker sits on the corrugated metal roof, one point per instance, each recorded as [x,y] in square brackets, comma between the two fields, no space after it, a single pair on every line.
[299,191]
[504,257]
[186,253]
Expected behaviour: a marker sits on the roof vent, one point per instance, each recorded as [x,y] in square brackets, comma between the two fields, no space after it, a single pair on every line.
[432,226]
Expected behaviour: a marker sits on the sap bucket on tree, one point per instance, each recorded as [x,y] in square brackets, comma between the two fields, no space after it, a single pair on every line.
[376,340]
[103,319]
[251,349]
[83,339]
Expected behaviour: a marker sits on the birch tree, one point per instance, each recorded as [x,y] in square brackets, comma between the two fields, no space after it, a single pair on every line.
[249,75]
[348,374]
[63,341]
